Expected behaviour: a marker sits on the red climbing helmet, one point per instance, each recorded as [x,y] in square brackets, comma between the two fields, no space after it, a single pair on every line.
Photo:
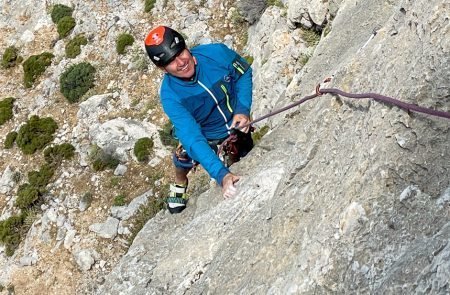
[163,44]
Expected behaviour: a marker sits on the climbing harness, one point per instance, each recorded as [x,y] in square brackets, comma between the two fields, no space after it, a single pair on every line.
[236,146]
[320,91]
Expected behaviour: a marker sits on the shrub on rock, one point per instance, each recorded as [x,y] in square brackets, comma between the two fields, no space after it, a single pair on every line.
[76,81]
[40,179]
[123,41]
[27,195]
[65,26]
[59,11]
[36,134]
[149,4]
[10,57]
[55,154]
[10,139]
[6,110]
[34,66]
[73,47]
[10,233]
[142,148]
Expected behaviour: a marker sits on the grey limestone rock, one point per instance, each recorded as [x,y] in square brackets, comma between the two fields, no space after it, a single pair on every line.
[85,258]
[120,170]
[7,181]
[251,10]
[307,13]
[107,229]
[125,212]
[118,136]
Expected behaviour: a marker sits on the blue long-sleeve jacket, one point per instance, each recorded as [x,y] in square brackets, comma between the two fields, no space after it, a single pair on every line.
[202,109]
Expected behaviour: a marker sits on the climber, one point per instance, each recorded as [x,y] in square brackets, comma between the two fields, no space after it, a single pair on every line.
[207,94]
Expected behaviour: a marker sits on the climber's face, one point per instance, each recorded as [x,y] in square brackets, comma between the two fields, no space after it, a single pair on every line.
[183,66]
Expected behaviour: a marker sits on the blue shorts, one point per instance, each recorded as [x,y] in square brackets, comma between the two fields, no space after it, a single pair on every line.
[185,162]
[181,159]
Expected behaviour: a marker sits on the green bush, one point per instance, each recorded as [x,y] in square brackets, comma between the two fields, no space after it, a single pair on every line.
[76,81]
[65,26]
[102,160]
[40,179]
[142,148]
[166,136]
[10,57]
[59,11]
[10,139]
[10,233]
[123,41]
[34,66]
[107,162]
[55,154]
[73,47]
[149,4]
[119,201]
[6,110]
[27,195]
[35,134]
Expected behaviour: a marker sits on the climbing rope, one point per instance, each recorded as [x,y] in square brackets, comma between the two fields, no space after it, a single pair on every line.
[389,100]
[320,91]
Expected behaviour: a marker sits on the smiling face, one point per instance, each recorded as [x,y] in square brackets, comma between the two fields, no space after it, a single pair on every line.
[183,66]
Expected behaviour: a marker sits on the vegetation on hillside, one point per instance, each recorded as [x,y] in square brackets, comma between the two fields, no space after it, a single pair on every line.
[11,57]
[6,109]
[34,66]
[76,81]
[10,139]
[73,47]
[59,11]
[35,134]
[54,155]
[102,160]
[123,41]
[142,148]
[65,26]
[62,17]
[10,233]
[149,4]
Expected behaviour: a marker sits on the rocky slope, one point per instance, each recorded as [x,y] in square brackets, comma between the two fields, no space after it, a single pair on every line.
[77,232]
[341,196]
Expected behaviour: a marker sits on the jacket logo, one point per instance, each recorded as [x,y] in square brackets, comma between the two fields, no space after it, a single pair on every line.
[227,78]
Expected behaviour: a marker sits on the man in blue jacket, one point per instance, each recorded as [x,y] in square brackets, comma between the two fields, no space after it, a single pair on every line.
[206,92]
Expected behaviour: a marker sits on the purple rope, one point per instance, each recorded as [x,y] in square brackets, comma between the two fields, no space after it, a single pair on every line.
[290,106]
[375,96]
[389,100]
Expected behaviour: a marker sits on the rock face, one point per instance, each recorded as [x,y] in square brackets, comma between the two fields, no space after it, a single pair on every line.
[7,181]
[307,13]
[251,10]
[342,196]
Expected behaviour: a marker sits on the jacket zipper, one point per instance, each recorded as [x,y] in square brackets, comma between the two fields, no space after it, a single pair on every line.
[217,104]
